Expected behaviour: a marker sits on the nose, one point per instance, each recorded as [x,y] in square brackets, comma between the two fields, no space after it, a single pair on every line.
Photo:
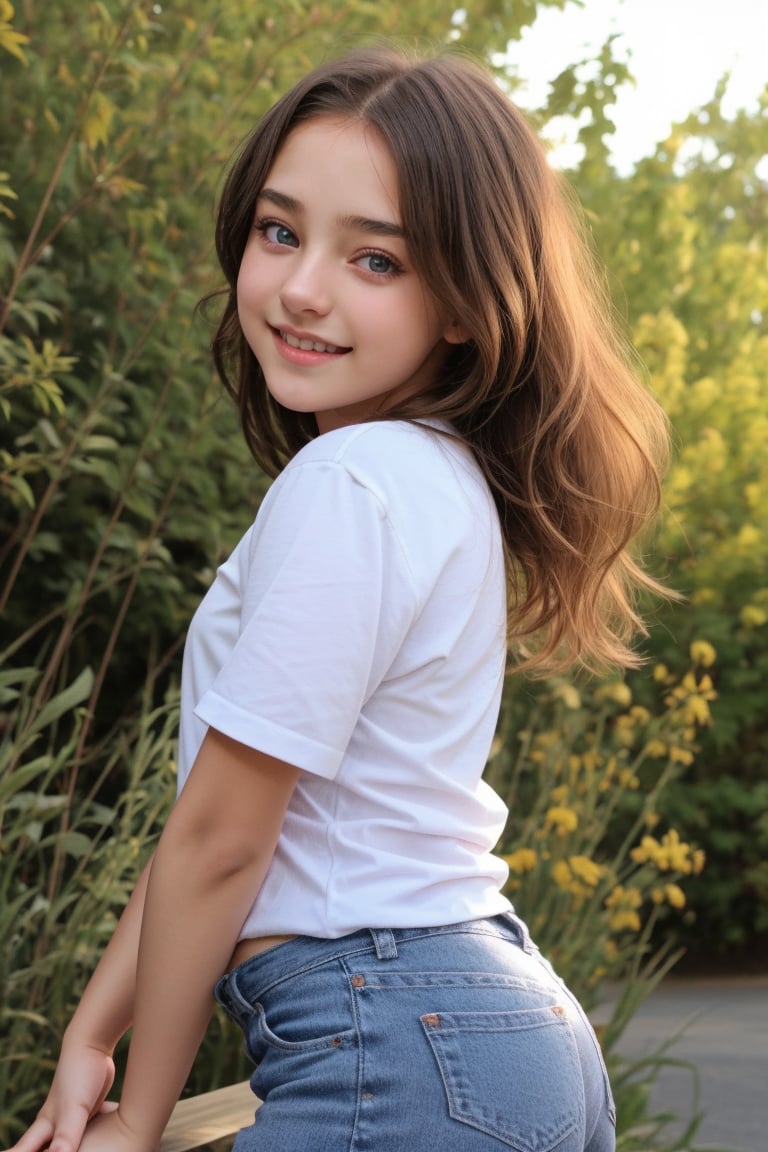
[305,289]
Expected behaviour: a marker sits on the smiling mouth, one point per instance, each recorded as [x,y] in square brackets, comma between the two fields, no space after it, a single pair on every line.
[309,345]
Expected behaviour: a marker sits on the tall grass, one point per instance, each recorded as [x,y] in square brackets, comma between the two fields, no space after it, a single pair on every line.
[69,862]
[590,870]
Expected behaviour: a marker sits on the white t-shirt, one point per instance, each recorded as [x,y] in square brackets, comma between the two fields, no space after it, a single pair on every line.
[358,632]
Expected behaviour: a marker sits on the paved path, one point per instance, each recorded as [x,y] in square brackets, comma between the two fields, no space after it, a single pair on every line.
[726,1037]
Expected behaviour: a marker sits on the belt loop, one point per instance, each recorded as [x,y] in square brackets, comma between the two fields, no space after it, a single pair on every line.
[520,928]
[384,941]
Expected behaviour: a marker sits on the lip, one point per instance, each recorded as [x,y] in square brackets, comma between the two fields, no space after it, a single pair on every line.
[330,348]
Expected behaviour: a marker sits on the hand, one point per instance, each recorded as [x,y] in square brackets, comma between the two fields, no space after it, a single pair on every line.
[83,1077]
[108,1133]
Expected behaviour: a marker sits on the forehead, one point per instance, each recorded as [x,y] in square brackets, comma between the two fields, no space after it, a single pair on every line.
[339,158]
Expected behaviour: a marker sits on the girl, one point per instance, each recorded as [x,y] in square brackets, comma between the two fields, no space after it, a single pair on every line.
[422,357]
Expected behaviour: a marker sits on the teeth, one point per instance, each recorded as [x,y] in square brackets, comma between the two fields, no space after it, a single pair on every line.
[307,345]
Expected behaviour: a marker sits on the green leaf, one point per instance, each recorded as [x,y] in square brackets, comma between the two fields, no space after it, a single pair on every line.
[65,701]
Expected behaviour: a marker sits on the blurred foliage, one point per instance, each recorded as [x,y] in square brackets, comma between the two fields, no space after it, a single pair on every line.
[124,482]
[594,867]
[573,766]
[123,478]
[685,237]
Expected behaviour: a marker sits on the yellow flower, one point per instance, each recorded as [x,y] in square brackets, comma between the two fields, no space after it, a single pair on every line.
[563,820]
[660,673]
[591,760]
[704,596]
[624,729]
[702,653]
[656,749]
[561,874]
[623,904]
[624,897]
[622,694]
[610,950]
[752,616]
[672,854]
[697,711]
[748,539]
[617,691]
[586,869]
[628,780]
[646,850]
[559,795]
[522,860]
[675,895]
[641,715]
[624,919]
[671,894]
[680,756]
[752,495]
[569,696]
[609,772]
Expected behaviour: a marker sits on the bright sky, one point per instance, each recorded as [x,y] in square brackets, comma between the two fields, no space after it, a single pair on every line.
[677,50]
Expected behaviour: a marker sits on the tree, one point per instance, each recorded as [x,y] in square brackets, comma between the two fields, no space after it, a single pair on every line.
[123,479]
[686,240]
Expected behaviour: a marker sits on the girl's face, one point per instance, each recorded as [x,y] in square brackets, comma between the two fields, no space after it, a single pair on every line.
[328,299]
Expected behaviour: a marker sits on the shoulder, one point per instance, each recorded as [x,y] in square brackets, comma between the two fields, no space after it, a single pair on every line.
[421,484]
[367,445]
[397,460]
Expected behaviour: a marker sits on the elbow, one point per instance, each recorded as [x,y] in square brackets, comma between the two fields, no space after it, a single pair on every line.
[211,849]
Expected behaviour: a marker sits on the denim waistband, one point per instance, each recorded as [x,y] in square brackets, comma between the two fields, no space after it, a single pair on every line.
[303,953]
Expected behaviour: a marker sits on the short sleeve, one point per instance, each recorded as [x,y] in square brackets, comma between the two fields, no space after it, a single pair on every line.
[327,602]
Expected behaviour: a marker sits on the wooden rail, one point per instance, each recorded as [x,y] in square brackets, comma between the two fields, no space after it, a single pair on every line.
[210,1121]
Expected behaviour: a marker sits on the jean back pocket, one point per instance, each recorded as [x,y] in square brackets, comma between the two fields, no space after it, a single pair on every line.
[514,1075]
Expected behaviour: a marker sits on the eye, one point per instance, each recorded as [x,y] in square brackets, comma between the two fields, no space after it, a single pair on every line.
[379,264]
[276,233]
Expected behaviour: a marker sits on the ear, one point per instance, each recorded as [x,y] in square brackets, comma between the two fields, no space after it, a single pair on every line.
[456,333]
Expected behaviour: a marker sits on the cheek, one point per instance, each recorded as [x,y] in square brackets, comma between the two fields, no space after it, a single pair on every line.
[250,278]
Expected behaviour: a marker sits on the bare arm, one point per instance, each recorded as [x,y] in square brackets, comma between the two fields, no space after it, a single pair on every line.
[85,1069]
[174,940]
[105,1011]
[211,861]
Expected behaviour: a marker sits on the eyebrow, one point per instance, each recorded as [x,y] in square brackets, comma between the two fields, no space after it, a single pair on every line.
[357,223]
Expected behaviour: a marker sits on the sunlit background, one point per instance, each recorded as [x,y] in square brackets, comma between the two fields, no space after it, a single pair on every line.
[676,49]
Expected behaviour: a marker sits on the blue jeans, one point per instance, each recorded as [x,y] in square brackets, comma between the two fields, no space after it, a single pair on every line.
[418,1040]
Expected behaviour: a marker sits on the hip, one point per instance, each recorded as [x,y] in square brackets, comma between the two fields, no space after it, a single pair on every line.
[464,1027]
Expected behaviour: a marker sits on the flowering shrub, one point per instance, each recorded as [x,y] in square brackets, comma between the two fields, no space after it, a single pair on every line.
[592,868]
[583,769]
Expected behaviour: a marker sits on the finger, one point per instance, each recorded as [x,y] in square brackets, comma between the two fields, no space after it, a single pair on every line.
[69,1131]
[36,1136]
[108,1106]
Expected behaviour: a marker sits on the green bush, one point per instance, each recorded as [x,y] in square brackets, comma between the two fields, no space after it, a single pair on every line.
[686,237]
[124,482]
[70,862]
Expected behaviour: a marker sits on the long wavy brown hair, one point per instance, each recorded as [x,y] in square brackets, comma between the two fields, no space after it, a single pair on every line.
[545,392]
